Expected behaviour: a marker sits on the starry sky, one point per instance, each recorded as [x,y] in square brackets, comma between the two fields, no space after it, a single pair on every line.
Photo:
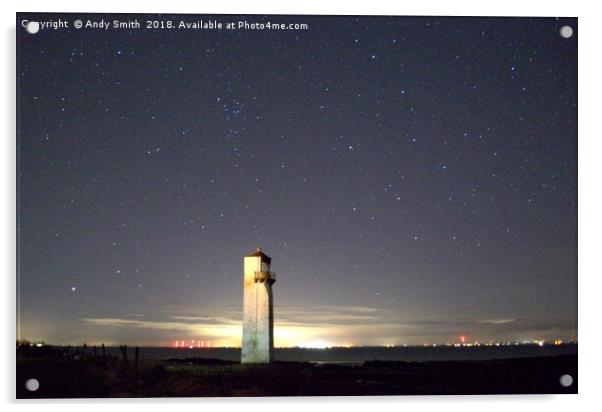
[414,179]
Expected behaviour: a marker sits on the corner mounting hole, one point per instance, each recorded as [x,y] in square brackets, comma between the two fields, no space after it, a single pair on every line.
[566,32]
[32,385]
[566,380]
[32,27]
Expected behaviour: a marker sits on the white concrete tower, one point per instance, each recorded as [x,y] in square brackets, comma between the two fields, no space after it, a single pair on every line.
[258,309]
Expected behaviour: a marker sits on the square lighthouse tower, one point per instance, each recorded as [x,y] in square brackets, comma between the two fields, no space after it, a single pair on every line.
[258,309]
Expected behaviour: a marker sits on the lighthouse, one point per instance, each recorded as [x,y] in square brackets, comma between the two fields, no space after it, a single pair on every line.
[258,308]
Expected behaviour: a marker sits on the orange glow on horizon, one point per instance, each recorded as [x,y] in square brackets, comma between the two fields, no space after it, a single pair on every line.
[179,332]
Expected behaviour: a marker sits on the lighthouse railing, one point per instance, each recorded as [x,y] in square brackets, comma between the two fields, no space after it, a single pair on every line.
[263,276]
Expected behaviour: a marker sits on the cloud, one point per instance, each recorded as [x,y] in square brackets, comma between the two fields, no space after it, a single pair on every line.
[208,319]
[226,332]
[495,321]
[333,325]
[329,314]
[293,325]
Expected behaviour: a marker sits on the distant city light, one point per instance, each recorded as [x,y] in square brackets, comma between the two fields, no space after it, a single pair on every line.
[192,345]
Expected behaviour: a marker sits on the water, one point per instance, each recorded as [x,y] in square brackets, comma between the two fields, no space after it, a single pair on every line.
[356,355]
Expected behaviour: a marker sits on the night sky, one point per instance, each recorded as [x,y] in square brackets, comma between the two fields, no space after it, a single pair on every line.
[413,180]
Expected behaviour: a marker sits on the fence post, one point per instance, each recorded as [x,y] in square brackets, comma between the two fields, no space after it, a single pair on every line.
[136,362]
[124,353]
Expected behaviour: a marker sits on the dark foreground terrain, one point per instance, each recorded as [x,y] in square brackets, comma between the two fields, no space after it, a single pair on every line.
[96,376]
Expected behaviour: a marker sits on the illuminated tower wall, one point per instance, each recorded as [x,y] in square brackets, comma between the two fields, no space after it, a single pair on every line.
[258,309]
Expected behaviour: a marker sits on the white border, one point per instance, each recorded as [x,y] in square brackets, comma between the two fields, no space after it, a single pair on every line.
[589,192]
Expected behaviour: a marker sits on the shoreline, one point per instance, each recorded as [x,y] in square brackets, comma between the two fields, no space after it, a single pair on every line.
[330,355]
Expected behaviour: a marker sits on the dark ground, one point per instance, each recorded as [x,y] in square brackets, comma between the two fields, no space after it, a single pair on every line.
[76,376]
